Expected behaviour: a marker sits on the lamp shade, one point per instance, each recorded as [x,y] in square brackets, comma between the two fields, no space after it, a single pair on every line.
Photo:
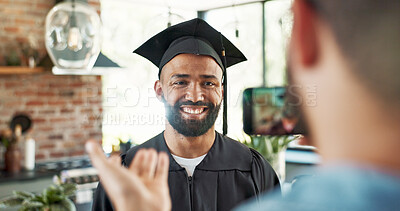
[72,36]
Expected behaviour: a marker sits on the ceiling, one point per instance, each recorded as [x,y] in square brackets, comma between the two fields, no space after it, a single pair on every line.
[198,5]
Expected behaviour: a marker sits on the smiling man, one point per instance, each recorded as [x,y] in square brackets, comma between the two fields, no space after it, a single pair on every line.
[207,170]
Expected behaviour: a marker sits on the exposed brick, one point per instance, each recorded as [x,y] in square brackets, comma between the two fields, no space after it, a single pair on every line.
[45,94]
[13,11]
[53,137]
[67,93]
[13,84]
[69,144]
[12,104]
[47,146]
[59,119]
[44,129]
[24,21]
[57,154]
[95,134]
[38,120]
[34,103]
[77,102]
[66,110]
[25,93]
[21,39]
[44,6]
[52,111]
[57,102]
[40,156]
[77,153]
[11,29]
[91,101]
[86,110]
[77,84]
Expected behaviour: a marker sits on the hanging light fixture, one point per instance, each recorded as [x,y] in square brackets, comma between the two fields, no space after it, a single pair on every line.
[72,35]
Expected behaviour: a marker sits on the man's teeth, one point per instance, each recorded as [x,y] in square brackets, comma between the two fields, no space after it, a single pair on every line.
[193,110]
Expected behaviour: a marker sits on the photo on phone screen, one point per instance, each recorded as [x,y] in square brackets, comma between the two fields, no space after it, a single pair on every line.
[271,111]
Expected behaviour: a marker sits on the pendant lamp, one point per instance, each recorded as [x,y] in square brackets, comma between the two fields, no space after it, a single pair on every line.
[72,36]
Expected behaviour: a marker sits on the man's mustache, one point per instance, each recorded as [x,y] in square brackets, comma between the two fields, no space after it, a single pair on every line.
[191,103]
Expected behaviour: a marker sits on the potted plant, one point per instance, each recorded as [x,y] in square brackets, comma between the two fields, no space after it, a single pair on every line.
[55,197]
[273,149]
[12,156]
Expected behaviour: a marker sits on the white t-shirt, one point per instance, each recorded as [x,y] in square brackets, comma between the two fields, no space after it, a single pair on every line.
[188,163]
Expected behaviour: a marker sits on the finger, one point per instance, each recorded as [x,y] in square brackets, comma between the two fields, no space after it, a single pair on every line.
[162,167]
[96,155]
[114,178]
[143,166]
[148,166]
[114,160]
[137,160]
[109,174]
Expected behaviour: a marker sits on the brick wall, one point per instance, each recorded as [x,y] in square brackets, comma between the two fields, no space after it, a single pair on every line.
[65,109]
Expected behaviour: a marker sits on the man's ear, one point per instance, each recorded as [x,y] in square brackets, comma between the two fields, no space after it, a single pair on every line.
[304,36]
[158,90]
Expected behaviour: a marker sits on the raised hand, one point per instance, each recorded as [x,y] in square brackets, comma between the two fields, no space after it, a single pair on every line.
[143,186]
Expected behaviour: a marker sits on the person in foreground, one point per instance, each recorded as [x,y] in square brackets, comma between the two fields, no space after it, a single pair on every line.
[207,170]
[349,51]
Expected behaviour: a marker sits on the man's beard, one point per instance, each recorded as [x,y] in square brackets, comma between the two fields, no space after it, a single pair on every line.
[191,127]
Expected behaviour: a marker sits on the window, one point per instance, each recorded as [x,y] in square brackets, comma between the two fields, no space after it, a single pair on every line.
[242,25]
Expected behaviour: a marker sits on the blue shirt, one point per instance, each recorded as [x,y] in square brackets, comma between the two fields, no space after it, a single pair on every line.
[336,188]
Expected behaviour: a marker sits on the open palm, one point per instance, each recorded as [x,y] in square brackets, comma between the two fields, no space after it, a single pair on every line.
[142,186]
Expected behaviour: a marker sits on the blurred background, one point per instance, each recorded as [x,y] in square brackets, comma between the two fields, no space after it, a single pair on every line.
[114,102]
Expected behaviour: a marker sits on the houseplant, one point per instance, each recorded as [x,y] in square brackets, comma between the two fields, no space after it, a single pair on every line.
[12,156]
[273,149]
[53,198]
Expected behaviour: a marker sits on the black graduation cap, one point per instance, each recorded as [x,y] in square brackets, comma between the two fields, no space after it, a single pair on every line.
[194,37]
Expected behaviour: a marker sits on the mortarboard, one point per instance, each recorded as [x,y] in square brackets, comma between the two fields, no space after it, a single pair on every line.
[194,37]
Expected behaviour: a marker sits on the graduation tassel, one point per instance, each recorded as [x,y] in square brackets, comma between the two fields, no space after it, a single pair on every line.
[225,112]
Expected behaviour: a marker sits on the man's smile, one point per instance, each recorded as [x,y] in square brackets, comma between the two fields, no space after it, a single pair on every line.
[193,110]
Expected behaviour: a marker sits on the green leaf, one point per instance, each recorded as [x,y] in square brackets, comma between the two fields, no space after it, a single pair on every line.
[11,201]
[64,205]
[69,189]
[32,204]
[67,203]
[24,194]
[57,207]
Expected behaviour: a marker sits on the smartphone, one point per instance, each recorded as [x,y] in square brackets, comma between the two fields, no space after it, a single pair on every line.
[272,111]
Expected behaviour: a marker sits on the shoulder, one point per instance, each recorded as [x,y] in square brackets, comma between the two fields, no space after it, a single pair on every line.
[227,154]
[151,143]
[234,145]
[237,148]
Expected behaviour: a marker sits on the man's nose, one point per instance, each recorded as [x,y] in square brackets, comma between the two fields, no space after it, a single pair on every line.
[194,93]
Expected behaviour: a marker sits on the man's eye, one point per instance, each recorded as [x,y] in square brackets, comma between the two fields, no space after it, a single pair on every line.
[209,83]
[179,83]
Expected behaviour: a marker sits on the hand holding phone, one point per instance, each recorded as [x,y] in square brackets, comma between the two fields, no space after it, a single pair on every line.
[272,111]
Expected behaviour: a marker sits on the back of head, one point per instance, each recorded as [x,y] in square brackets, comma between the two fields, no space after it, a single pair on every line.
[368,34]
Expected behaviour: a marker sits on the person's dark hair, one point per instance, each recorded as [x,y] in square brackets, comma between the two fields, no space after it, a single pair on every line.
[368,34]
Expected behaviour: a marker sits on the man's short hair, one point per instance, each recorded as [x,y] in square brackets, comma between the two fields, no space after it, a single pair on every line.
[368,34]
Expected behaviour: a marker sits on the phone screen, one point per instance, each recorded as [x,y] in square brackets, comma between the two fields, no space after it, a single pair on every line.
[271,111]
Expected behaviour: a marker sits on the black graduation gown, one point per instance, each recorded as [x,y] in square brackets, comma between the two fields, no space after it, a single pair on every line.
[229,174]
